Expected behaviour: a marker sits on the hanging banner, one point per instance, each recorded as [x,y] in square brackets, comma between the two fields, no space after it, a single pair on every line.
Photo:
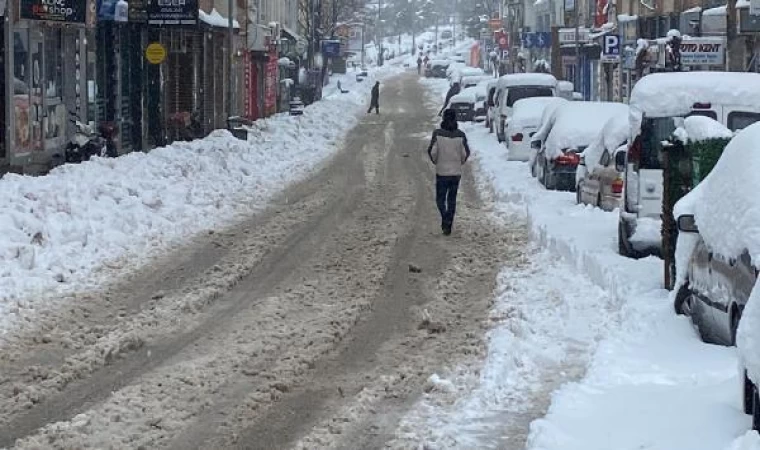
[270,83]
[69,11]
[172,12]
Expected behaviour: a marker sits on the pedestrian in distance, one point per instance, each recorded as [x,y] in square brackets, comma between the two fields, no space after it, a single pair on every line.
[453,90]
[419,65]
[374,101]
[449,152]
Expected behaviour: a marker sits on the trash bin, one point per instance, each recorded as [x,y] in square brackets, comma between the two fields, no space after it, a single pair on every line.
[236,125]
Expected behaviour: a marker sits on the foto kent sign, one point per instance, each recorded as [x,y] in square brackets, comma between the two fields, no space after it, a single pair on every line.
[610,48]
[706,51]
[69,11]
[155,53]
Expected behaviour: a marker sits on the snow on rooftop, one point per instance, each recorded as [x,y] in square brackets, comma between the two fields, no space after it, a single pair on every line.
[627,18]
[693,10]
[674,94]
[717,11]
[215,19]
[576,124]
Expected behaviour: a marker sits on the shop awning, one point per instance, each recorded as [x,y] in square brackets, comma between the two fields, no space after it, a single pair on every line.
[215,19]
[291,34]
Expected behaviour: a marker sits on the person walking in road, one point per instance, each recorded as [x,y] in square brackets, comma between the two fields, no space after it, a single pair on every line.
[419,65]
[453,90]
[449,152]
[374,101]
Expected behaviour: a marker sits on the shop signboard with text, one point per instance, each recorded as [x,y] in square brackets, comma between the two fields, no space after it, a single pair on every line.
[172,12]
[69,11]
[270,82]
[706,51]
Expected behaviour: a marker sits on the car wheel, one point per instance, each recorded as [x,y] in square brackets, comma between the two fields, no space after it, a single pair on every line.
[748,389]
[622,244]
[683,301]
[578,188]
[533,169]
[490,126]
[599,201]
[547,177]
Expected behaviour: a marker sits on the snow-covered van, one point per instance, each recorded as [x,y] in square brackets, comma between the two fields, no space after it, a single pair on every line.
[658,102]
[516,86]
[464,103]
[561,140]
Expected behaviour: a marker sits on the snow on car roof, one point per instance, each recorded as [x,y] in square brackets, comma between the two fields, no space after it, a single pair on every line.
[674,94]
[474,78]
[469,95]
[576,124]
[612,135]
[726,207]
[528,111]
[701,128]
[440,62]
[527,79]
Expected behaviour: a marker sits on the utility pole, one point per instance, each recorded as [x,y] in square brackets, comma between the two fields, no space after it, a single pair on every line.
[734,50]
[364,29]
[379,32]
[230,55]
[577,77]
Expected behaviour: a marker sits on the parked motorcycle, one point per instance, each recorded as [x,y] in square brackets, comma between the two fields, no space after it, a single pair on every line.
[86,143]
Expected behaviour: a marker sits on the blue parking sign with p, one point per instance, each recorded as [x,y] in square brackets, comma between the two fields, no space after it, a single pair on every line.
[611,48]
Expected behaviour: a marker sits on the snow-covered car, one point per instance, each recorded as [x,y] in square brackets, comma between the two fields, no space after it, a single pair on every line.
[718,257]
[473,80]
[658,102]
[565,89]
[568,132]
[436,68]
[535,146]
[598,180]
[491,102]
[523,124]
[460,73]
[516,86]
[464,103]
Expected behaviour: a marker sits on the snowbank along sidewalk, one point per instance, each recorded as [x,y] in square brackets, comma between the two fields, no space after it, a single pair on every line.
[636,376]
[83,225]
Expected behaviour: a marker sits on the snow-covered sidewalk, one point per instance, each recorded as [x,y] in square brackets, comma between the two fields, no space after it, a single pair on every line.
[83,225]
[639,377]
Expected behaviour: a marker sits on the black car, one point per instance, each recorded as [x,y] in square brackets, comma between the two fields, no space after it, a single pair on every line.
[713,295]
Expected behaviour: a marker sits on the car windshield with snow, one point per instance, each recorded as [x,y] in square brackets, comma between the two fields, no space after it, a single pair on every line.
[657,102]
[560,141]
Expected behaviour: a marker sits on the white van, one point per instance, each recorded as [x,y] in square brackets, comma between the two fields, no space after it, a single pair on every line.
[516,86]
[658,102]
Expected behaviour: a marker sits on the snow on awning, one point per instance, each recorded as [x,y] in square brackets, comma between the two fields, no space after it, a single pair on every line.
[215,19]
[606,29]
[295,36]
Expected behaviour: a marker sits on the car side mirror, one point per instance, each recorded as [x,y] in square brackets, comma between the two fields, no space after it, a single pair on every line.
[535,145]
[687,224]
[620,161]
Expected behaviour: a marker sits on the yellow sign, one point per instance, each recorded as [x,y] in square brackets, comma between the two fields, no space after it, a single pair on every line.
[155,53]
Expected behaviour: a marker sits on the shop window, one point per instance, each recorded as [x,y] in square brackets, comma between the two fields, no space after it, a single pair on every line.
[22,82]
[55,120]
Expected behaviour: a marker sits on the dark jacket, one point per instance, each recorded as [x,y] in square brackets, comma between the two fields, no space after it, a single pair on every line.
[375,94]
[453,90]
[448,150]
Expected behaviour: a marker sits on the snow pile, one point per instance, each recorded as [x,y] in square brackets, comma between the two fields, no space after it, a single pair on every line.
[702,128]
[527,79]
[82,225]
[576,124]
[727,212]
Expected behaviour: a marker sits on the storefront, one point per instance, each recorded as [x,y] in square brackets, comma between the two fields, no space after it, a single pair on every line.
[4,105]
[46,43]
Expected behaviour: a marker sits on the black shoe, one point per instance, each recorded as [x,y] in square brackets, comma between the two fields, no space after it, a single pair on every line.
[447,231]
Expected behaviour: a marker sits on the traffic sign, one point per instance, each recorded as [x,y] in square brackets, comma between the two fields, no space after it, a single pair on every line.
[536,40]
[155,53]
[611,48]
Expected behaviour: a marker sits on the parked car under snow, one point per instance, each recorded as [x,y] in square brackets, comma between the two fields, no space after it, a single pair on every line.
[465,104]
[559,141]
[523,124]
[599,181]
[718,257]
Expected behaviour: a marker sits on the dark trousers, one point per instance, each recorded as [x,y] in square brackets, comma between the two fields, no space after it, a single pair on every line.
[374,105]
[446,188]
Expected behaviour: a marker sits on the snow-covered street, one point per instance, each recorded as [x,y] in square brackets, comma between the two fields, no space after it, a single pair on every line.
[295,291]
